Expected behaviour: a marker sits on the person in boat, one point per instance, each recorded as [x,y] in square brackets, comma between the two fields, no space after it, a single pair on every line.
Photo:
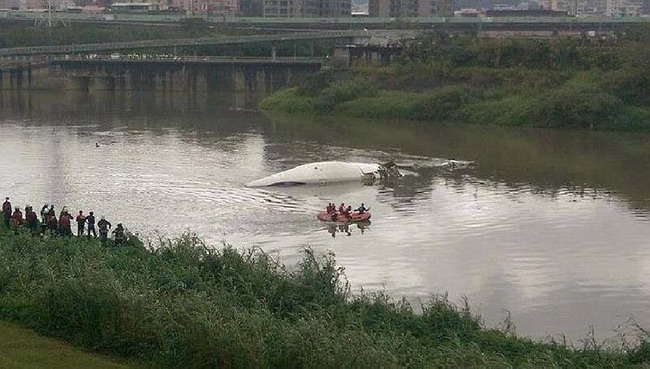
[51,212]
[90,219]
[119,234]
[342,208]
[6,211]
[347,213]
[104,225]
[17,218]
[362,209]
[31,219]
[81,220]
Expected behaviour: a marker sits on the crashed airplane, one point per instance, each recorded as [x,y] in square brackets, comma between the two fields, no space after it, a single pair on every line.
[329,172]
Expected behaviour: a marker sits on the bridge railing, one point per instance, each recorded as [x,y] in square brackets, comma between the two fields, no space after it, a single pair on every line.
[223,40]
[171,18]
[72,49]
[138,59]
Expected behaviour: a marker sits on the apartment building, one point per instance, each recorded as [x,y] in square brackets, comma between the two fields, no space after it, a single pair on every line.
[624,8]
[411,8]
[307,8]
[10,4]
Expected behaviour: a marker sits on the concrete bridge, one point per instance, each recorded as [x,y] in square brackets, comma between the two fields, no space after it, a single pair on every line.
[124,73]
[346,36]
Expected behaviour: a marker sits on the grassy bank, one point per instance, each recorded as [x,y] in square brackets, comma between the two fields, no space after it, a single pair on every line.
[585,83]
[185,305]
[22,348]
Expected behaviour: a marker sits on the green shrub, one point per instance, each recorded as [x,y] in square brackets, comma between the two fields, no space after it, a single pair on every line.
[341,92]
[288,101]
[182,304]
[630,85]
[438,104]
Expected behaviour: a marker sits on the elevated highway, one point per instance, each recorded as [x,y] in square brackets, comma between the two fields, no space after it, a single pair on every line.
[345,23]
[186,60]
[180,42]
[159,73]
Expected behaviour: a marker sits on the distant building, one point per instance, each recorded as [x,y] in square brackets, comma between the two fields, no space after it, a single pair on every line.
[133,7]
[503,7]
[624,8]
[468,13]
[411,8]
[646,6]
[10,4]
[589,7]
[44,4]
[307,8]
[250,8]
[282,8]
[525,13]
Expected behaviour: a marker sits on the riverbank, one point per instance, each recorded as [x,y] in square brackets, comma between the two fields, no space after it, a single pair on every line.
[583,83]
[182,303]
[22,348]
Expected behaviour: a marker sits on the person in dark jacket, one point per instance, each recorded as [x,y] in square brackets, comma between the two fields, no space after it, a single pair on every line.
[104,225]
[6,211]
[31,219]
[90,219]
[52,224]
[119,235]
[17,218]
[362,209]
[44,211]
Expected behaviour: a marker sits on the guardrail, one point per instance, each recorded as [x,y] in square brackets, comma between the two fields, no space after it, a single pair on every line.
[130,17]
[224,40]
[183,60]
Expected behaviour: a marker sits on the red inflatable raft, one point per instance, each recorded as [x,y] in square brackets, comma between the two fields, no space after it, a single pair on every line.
[355,216]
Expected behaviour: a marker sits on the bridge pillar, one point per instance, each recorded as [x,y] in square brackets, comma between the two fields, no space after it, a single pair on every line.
[274,56]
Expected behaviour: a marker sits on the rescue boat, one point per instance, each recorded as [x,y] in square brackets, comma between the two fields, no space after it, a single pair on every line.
[355,216]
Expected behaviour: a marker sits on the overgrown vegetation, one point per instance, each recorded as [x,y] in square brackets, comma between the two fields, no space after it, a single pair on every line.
[582,82]
[182,304]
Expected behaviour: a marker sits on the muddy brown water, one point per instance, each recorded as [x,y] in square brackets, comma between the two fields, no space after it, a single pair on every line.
[551,226]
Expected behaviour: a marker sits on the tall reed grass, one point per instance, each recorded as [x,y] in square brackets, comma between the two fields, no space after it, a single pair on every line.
[181,304]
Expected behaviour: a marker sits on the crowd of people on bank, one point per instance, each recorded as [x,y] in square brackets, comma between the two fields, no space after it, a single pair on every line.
[49,224]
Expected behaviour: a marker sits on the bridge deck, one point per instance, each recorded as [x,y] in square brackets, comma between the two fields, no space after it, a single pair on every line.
[224,40]
[191,60]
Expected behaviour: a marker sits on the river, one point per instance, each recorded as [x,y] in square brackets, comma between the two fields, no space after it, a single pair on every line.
[550,226]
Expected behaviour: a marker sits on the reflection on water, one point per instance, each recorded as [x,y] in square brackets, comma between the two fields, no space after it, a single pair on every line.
[550,225]
[358,228]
